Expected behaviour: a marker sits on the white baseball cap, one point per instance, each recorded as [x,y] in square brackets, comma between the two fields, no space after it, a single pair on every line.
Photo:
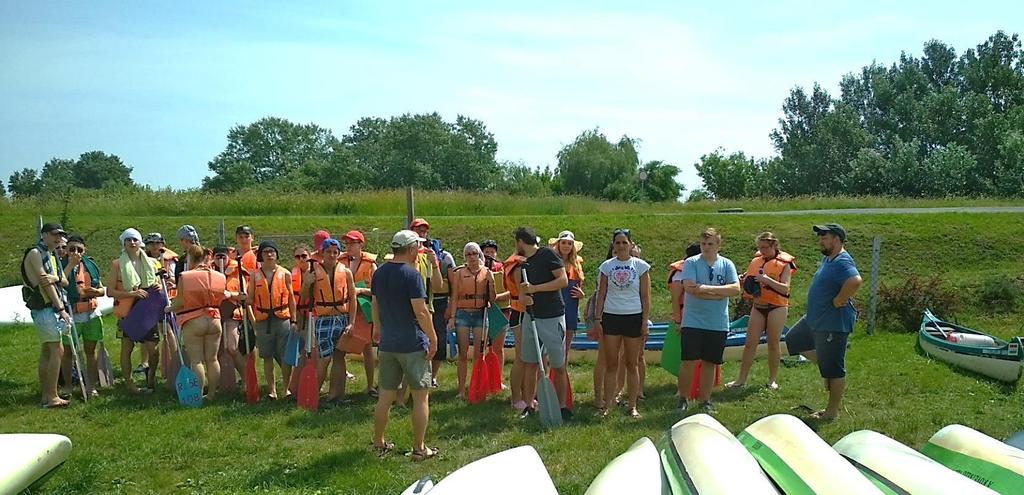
[405,238]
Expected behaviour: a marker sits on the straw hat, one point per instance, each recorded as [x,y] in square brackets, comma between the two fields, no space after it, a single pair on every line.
[566,234]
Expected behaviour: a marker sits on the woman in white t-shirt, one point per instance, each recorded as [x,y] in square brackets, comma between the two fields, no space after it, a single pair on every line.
[623,307]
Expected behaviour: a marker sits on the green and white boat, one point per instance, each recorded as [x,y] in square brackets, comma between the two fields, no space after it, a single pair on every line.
[970,349]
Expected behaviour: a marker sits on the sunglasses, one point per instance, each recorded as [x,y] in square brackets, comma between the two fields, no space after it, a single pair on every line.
[301,256]
[76,250]
[221,256]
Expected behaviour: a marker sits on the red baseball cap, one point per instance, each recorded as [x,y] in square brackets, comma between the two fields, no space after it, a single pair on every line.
[354,235]
[319,237]
[418,222]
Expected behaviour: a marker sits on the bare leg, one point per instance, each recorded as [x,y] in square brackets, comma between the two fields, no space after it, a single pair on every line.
[338,380]
[380,415]
[776,321]
[707,381]
[631,359]
[420,417]
[498,345]
[268,377]
[611,351]
[211,347]
[369,365]
[463,360]
[49,367]
[686,369]
[516,374]
[127,346]
[755,328]
[599,369]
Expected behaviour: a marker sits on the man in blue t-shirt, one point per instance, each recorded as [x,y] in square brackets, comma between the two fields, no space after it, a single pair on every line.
[403,322]
[822,333]
[709,281]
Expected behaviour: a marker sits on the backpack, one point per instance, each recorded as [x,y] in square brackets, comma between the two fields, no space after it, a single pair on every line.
[31,296]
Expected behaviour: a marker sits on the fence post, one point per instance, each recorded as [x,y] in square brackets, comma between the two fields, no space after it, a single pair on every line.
[410,207]
[876,250]
[220,234]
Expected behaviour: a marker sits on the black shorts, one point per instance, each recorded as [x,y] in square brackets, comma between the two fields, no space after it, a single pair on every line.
[622,325]
[152,336]
[830,347]
[704,345]
[441,328]
[515,318]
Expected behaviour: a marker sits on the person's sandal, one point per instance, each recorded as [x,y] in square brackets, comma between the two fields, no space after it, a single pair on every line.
[422,455]
[382,450]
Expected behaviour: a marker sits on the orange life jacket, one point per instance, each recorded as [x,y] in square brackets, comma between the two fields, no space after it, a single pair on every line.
[203,292]
[231,274]
[165,260]
[271,300]
[773,268]
[123,305]
[83,280]
[510,266]
[249,260]
[674,268]
[499,284]
[364,271]
[472,287]
[330,299]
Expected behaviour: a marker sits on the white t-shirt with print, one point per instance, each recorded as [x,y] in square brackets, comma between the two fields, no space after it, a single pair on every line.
[623,296]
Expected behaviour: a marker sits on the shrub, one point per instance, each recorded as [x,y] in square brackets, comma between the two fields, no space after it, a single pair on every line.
[999,294]
[900,306]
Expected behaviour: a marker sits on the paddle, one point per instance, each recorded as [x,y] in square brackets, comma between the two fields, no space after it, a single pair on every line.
[928,314]
[478,380]
[309,383]
[547,398]
[190,391]
[492,366]
[252,386]
[105,367]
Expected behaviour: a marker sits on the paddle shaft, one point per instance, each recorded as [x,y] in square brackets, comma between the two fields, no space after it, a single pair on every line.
[173,322]
[533,326]
[928,314]
[245,305]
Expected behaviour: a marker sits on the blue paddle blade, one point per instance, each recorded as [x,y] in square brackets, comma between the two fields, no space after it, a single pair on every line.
[190,392]
[291,349]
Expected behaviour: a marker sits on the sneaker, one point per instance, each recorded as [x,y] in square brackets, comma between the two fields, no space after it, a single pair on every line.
[708,409]
[566,414]
[526,413]
[681,405]
[433,383]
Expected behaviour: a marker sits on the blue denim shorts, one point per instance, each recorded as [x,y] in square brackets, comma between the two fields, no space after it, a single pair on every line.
[469,318]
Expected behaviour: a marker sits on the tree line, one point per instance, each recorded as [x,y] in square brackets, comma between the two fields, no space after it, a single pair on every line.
[929,126]
[420,150]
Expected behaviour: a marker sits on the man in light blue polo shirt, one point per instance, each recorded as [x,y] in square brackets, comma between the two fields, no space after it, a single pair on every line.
[709,281]
[822,333]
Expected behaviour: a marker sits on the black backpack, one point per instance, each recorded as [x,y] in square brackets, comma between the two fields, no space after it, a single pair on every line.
[32,296]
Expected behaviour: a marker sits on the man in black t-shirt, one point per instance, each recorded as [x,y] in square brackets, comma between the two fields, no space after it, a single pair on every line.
[542,297]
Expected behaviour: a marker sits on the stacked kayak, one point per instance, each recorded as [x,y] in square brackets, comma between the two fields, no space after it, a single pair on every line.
[530,476]
[799,461]
[700,456]
[895,468]
[27,457]
[636,472]
[979,457]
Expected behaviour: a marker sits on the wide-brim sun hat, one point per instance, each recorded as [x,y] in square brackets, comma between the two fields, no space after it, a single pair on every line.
[566,234]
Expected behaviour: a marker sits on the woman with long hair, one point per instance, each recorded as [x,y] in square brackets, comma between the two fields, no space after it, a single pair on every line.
[568,248]
[472,293]
[766,284]
[623,307]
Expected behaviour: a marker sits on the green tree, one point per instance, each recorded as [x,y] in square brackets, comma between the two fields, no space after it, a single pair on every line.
[591,163]
[24,183]
[58,174]
[425,151]
[946,170]
[1009,179]
[266,150]
[518,179]
[96,168]
[660,183]
[728,177]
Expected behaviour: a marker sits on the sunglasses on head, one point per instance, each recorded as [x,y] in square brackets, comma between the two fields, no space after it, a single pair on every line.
[620,231]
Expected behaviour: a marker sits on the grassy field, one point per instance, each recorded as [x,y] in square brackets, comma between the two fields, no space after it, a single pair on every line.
[150,445]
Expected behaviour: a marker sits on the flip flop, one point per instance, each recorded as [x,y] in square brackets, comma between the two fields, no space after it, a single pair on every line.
[422,455]
[58,405]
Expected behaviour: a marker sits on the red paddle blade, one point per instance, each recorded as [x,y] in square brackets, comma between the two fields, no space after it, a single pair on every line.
[252,387]
[309,386]
[493,367]
[568,390]
[477,382]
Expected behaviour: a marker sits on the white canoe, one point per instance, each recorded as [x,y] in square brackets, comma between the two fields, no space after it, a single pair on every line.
[521,468]
[420,487]
[900,469]
[27,457]
[978,457]
[636,472]
[799,461]
[13,310]
[701,457]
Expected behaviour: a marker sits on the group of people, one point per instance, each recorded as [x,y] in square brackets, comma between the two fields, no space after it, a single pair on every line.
[232,301]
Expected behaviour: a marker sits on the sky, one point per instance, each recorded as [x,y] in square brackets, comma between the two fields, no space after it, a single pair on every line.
[160,83]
